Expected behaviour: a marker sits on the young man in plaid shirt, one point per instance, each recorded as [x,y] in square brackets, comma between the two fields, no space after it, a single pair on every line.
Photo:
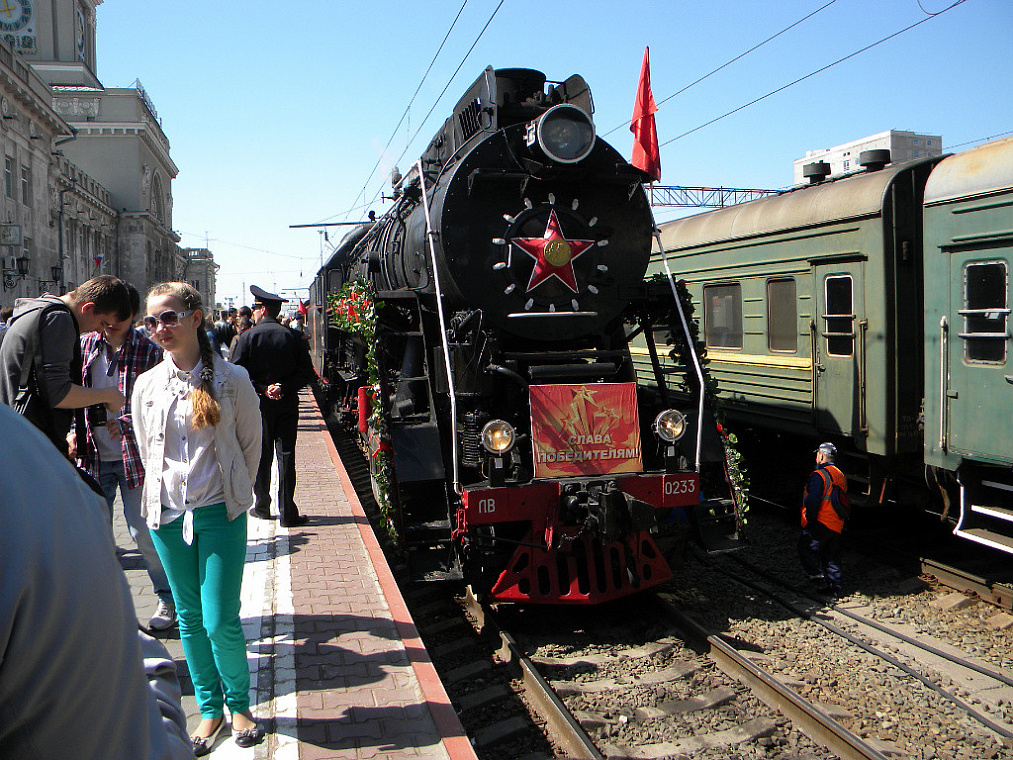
[108,449]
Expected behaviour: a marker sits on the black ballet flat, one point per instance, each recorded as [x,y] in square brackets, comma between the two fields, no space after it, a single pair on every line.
[249,737]
[203,745]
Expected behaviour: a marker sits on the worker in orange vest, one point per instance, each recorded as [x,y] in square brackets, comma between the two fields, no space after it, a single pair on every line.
[825,509]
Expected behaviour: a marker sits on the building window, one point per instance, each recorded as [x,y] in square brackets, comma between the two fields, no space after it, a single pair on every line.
[723,315]
[26,185]
[928,143]
[916,141]
[9,176]
[26,247]
[839,320]
[985,312]
[847,164]
[782,315]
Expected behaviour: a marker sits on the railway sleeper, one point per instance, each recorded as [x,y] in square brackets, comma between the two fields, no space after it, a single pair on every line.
[747,732]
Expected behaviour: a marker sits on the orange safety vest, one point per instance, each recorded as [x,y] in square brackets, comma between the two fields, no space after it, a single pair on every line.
[827,514]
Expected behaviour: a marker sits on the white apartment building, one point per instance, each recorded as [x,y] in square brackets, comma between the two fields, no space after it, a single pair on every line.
[843,159]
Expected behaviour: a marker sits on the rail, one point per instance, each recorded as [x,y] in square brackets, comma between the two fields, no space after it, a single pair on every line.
[565,729]
[809,719]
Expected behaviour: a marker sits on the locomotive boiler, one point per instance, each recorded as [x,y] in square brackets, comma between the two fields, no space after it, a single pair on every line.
[505,284]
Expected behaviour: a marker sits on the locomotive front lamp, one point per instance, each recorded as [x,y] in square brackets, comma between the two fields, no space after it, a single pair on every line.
[670,425]
[498,437]
[565,134]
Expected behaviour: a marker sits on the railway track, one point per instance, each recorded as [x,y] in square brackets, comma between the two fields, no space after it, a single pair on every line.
[678,693]
[958,578]
[931,664]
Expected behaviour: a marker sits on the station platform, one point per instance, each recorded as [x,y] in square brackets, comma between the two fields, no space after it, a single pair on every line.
[337,667]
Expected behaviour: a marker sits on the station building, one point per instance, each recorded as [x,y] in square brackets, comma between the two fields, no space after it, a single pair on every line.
[903,146]
[88,170]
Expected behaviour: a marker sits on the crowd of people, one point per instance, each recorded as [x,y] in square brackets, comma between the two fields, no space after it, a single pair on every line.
[181,416]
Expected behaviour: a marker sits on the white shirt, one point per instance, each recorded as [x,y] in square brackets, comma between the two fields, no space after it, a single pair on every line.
[191,477]
[109,449]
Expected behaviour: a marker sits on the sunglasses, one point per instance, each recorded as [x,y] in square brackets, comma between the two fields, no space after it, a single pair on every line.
[168,318]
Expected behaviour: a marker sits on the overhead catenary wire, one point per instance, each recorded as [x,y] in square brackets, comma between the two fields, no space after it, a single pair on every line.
[407,110]
[432,109]
[980,140]
[728,63]
[812,74]
[445,88]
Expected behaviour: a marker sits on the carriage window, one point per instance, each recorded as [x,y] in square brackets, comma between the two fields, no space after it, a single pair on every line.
[986,312]
[782,315]
[839,320]
[723,315]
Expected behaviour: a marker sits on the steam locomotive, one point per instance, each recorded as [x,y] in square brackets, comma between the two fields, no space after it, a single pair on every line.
[871,310]
[505,284]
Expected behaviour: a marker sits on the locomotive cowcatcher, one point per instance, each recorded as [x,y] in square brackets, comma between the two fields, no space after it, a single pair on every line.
[477,337]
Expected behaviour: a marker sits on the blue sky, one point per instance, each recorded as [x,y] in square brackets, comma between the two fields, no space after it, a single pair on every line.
[277,113]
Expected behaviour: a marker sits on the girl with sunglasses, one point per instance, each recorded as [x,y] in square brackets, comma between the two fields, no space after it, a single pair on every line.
[198,426]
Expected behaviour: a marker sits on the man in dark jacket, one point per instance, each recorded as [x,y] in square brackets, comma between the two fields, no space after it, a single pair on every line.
[279,364]
[824,512]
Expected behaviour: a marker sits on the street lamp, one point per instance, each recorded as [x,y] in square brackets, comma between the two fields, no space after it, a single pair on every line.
[57,272]
[12,276]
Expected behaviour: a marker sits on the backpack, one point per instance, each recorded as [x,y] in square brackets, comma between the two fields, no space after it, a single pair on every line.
[29,400]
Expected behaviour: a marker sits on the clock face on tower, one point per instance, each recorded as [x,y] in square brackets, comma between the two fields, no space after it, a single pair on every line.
[15,15]
[80,38]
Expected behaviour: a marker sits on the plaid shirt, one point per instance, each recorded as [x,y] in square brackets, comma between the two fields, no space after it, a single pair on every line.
[137,356]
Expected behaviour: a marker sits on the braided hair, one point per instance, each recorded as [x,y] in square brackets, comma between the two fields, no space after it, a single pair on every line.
[206,410]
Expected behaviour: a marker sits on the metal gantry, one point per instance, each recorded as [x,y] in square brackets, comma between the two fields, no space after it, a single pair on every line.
[706,197]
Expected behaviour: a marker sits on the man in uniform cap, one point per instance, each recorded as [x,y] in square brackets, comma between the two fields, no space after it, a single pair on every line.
[278,361]
[825,508]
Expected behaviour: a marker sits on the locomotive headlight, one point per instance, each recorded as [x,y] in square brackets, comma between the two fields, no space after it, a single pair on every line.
[565,134]
[670,425]
[498,437]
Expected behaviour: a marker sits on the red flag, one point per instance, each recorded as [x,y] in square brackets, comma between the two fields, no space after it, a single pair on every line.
[303,307]
[646,154]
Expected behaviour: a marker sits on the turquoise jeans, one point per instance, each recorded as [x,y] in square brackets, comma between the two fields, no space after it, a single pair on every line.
[205,579]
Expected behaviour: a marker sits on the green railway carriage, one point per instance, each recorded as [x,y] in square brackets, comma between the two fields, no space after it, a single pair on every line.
[873,311]
[968,217]
[808,302]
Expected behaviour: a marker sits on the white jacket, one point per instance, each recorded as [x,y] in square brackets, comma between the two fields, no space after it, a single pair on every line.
[237,436]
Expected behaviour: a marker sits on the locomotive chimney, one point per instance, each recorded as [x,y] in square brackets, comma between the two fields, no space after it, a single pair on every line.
[874,160]
[816,172]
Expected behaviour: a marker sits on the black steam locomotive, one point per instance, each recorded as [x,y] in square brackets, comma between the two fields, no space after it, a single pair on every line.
[505,284]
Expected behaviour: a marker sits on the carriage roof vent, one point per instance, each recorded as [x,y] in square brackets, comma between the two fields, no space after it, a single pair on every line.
[874,160]
[816,172]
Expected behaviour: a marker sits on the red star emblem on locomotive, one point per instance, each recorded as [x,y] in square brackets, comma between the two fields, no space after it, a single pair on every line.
[553,254]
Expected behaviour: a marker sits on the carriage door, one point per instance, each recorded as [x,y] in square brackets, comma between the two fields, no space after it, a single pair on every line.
[980,392]
[839,349]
